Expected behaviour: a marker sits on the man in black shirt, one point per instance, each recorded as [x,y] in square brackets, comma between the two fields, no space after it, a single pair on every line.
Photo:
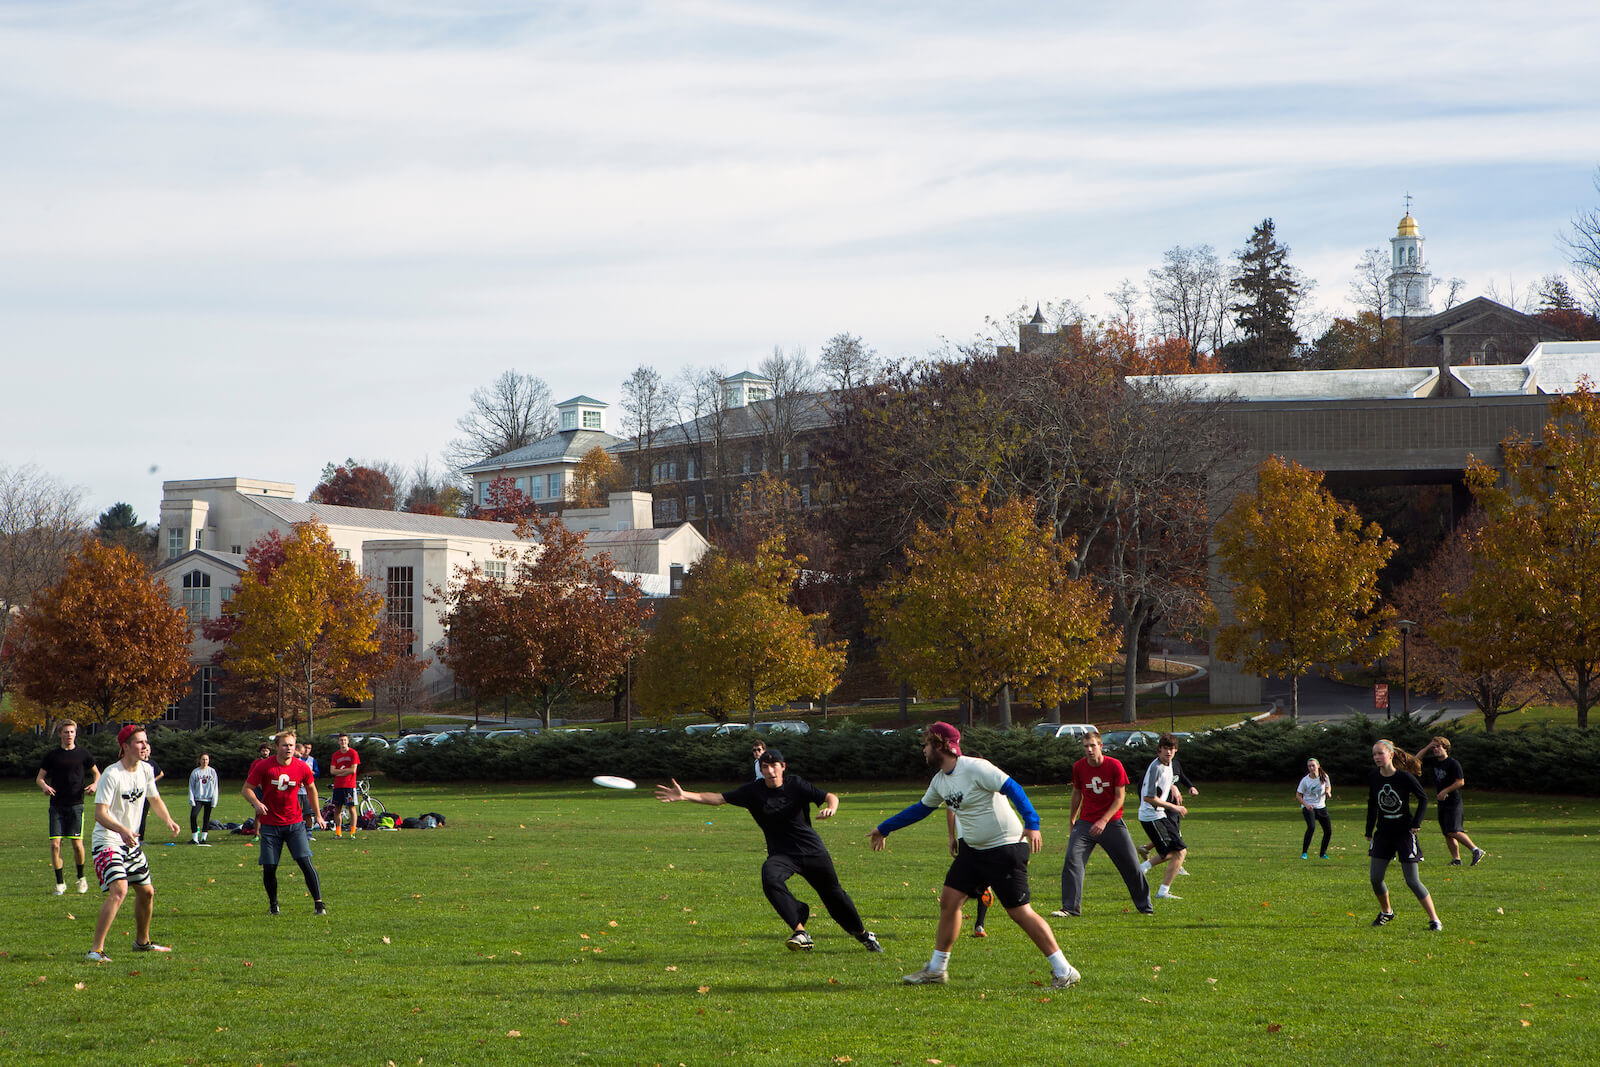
[781,806]
[65,775]
[1441,772]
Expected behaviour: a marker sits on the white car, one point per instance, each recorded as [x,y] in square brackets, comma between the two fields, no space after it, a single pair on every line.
[783,726]
[1072,731]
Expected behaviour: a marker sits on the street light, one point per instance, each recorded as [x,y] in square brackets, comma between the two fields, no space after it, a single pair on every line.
[1406,626]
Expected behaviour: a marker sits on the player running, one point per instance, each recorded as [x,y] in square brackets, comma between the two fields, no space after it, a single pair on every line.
[993,850]
[1392,829]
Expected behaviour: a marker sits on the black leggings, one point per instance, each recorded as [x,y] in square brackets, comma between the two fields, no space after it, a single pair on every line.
[269,879]
[201,812]
[1321,817]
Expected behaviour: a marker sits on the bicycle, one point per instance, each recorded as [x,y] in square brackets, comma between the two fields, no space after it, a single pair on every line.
[366,803]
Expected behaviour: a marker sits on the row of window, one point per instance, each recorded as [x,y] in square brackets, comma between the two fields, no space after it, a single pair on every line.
[666,508]
[534,487]
[209,693]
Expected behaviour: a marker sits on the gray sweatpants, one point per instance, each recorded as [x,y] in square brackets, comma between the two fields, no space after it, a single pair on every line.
[1118,844]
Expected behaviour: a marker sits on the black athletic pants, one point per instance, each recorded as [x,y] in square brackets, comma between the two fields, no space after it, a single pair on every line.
[1321,817]
[818,870]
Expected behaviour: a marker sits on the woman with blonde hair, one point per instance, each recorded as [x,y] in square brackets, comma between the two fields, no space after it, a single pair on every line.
[1392,827]
[1314,792]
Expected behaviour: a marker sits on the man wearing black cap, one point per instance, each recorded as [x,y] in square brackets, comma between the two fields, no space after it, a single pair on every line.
[995,845]
[781,806]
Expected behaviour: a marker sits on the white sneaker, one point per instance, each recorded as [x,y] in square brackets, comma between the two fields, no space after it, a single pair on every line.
[1061,914]
[83,885]
[1066,981]
[1163,893]
[1184,871]
[60,888]
[926,977]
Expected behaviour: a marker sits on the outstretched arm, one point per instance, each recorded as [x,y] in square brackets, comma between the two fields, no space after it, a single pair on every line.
[915,813]
[667,794]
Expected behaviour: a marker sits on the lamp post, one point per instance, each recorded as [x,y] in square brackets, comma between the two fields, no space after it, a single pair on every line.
[1406,626]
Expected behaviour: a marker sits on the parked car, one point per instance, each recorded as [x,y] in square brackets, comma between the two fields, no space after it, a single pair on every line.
[450,735]
[410,741]
[1128,738]
[1070,730]
[783,726]
[510,735]
[715,727]
[369,739]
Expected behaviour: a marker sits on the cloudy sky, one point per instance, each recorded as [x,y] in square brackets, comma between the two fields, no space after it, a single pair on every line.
[247,238]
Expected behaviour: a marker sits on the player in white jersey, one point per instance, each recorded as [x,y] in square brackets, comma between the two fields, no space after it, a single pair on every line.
[119,804]
[995,845]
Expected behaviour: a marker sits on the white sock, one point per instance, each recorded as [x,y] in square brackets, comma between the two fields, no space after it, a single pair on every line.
[940,961]
[1058,963]
[1144,868]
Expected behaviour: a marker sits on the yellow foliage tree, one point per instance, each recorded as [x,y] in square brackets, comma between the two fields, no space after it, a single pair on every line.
[594,478]
[736,638]
[989,601]
[1538,550]
[1304,570]
[310,621]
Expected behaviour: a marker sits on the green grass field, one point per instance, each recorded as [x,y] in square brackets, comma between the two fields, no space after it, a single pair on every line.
[577,925]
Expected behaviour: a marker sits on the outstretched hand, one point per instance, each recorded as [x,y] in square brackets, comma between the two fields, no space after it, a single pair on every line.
[667,794]
[876,840]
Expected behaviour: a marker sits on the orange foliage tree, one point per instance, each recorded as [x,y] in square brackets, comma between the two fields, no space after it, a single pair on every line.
[106,642]
[559,622]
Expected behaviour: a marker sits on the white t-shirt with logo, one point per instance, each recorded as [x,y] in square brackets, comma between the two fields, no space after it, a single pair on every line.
[971,789]
[1315,792]
[1158,779]
[124,793]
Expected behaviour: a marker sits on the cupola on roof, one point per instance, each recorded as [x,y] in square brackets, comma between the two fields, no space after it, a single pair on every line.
[1408,227]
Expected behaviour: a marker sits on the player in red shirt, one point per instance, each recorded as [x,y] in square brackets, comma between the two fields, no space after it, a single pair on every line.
[344,762]
[273,790]
[1099,785]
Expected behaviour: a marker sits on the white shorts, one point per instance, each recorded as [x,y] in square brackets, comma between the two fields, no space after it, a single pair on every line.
[118,862]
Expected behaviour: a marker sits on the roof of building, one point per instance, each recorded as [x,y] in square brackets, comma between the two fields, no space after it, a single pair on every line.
[231,560]
[811,413]
[584,399]
[564,445]
[1557,365]
[397,522]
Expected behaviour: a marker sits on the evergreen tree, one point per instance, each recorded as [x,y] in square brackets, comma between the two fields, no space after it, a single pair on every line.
[1269,291]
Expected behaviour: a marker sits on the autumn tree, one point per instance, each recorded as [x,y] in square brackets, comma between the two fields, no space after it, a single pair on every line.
[1457,651]
[512,411]
[1539,546]
[106,642]
[1304,574]
[354,485]
[987,602]
[1268,290]
[505,503]
[307,621]
[559,622]
[846,361]
[41,526]
[735,638]
[595,477]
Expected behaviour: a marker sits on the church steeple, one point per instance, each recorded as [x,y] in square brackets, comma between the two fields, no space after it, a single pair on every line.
[1410,283]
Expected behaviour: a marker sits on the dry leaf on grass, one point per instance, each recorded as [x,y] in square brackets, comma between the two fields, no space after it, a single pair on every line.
[703,989]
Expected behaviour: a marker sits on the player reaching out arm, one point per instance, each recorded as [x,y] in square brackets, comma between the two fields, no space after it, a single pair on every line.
[781,805]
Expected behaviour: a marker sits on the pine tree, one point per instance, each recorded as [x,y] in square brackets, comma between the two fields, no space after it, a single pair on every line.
[1269,291]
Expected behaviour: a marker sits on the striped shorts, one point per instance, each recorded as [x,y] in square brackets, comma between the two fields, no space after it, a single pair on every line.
[118,862]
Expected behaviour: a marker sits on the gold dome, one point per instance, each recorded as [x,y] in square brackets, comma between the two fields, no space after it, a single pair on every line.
[1408,226]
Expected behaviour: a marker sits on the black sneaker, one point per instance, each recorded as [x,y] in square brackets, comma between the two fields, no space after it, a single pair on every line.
[1384,918]
[1477,856]
[869,941]
[322,909]
[1455,863]
[1435,924]
[272,908]
[800,941]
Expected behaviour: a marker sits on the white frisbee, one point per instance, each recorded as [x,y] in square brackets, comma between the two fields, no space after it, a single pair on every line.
[611,781]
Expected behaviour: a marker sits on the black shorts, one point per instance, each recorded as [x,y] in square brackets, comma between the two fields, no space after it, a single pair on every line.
[1003,869]
[1394,844]
[1164,835]
[344,797]
[1450,815]
[66,822]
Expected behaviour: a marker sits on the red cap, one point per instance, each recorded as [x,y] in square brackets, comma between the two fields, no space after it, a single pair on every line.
[949,735]
[127,732]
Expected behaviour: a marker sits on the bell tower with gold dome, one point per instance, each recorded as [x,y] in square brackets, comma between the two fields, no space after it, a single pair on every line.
[1409,281]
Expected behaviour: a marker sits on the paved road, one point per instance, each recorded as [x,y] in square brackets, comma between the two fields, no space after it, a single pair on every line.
[1322,700]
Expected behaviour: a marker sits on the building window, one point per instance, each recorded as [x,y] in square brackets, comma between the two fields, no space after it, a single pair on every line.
[344,554]
[591,420]
[237,550]
[555,485]
[786,461]
[569,420]
[171,712]
[197,595]
[666,511]
[495,569]
[176,538]
[689,466]
[208,695]
[535,486]
[805,496]
[398,597]
[225,600]
[690,504]
[483,492]
[755,393]
[199,535]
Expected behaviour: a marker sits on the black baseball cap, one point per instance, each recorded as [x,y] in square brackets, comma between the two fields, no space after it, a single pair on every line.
[772,755]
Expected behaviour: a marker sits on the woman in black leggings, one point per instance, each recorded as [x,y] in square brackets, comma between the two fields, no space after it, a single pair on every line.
[1392,828]
[1314,792]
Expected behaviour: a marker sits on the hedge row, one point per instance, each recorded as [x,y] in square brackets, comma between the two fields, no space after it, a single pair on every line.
[1561,760]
